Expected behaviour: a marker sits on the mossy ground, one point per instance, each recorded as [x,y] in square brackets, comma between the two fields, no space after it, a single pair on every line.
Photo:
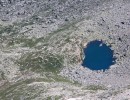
[41,62]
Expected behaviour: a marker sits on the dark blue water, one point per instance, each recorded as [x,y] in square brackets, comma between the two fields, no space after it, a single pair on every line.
[98,56]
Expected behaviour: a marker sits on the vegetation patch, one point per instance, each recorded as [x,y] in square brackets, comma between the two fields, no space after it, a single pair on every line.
[94,87]
[38,62]
[128,86]
[26,42]
[24,23]
[53,98]
[10,29]
[20,90]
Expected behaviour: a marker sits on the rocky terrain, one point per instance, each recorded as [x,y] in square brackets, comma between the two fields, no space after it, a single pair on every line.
[41,49]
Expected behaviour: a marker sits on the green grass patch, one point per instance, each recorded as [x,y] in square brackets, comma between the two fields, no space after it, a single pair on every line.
[26,42]
[23,23]
[21,89]
[94,87]
[38,62]
[15,91]
[53,98]
[10,29]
